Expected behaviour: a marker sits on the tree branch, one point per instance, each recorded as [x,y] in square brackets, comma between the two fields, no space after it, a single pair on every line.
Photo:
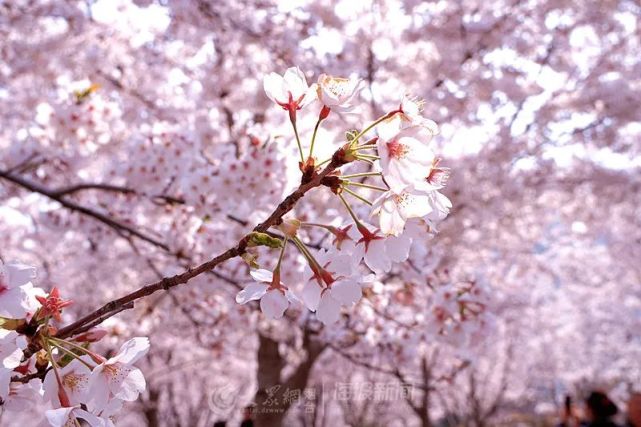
[53,195]
[167,283]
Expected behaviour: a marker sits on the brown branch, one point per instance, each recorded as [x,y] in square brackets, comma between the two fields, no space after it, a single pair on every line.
[117,225]
[113,188]
[167,283]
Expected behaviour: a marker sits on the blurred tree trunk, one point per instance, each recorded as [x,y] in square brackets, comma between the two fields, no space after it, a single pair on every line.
[274,397]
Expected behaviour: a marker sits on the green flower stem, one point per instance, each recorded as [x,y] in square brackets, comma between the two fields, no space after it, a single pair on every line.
[300,147]
[72,354]
[318,123]
[73,345]
[359,197]
[358,175]
[360,184]
[282,253]
[308,256]
[379,120]
[313,224]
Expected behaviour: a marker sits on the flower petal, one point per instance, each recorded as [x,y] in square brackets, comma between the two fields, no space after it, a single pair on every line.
[262,275]
[252,292]
[132,350]
[311,295]
[328,309]
[346,292]
[273,304]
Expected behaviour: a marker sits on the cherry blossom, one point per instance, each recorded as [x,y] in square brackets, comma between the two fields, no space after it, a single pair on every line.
[274,296]
[116,377]
[14,280]
[394,210]
[336,93]
[70,381]
[21,397]
[68,416]
[290,90]
[405,156]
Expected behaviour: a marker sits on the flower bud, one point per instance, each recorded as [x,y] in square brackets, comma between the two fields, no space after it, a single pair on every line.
[289,227]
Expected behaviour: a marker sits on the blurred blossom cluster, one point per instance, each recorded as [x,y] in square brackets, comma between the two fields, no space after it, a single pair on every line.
[489,264]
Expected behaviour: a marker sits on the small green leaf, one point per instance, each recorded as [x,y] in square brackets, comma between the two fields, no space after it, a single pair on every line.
[262,239]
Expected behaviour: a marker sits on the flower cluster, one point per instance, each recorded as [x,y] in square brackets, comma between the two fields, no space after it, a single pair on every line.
[409,204]
[78,382]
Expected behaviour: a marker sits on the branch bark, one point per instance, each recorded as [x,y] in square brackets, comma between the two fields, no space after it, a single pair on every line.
[115,306]
[55,195]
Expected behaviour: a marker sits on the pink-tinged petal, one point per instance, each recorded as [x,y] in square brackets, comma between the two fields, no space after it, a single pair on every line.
[11,304]
[347,292]
[132,350]
[398,248]
[311,95]
[273,304]
[262,275]
[5,380]
[19,274]
[99,388]
[274,86]
[75,380]
[376,258]
[328,309]
[295,82]
[50,388]
[341,264]
[91,419]
[131,385]
[59,417]
[252,292]
[392,223]
[292,298]
[311,295]
[10,356]
[414,205]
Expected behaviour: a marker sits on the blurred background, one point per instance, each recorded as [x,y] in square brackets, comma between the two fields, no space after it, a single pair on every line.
[538,105]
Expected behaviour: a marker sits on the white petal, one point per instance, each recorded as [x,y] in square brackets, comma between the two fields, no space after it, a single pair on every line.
[415,204]
[12,304]
[19,274]
[132,350]
[262,275]
[328,309]
[346,291]
[273,304]
[275,88]
[311,294]
[398,248]
[50,387]
[295,82]
[93,420]
[132,385]
[58,417]
[5,380]
[376,258]
[98,388]
[392,223]
[292,298]
[252,292]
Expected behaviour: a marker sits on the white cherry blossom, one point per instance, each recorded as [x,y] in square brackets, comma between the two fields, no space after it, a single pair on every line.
[68,416]
[394,209]
[405,157]
[13,298]
[117,377]
[290,90]
[74,379]
[20,396]
[337,93]
[274,296]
